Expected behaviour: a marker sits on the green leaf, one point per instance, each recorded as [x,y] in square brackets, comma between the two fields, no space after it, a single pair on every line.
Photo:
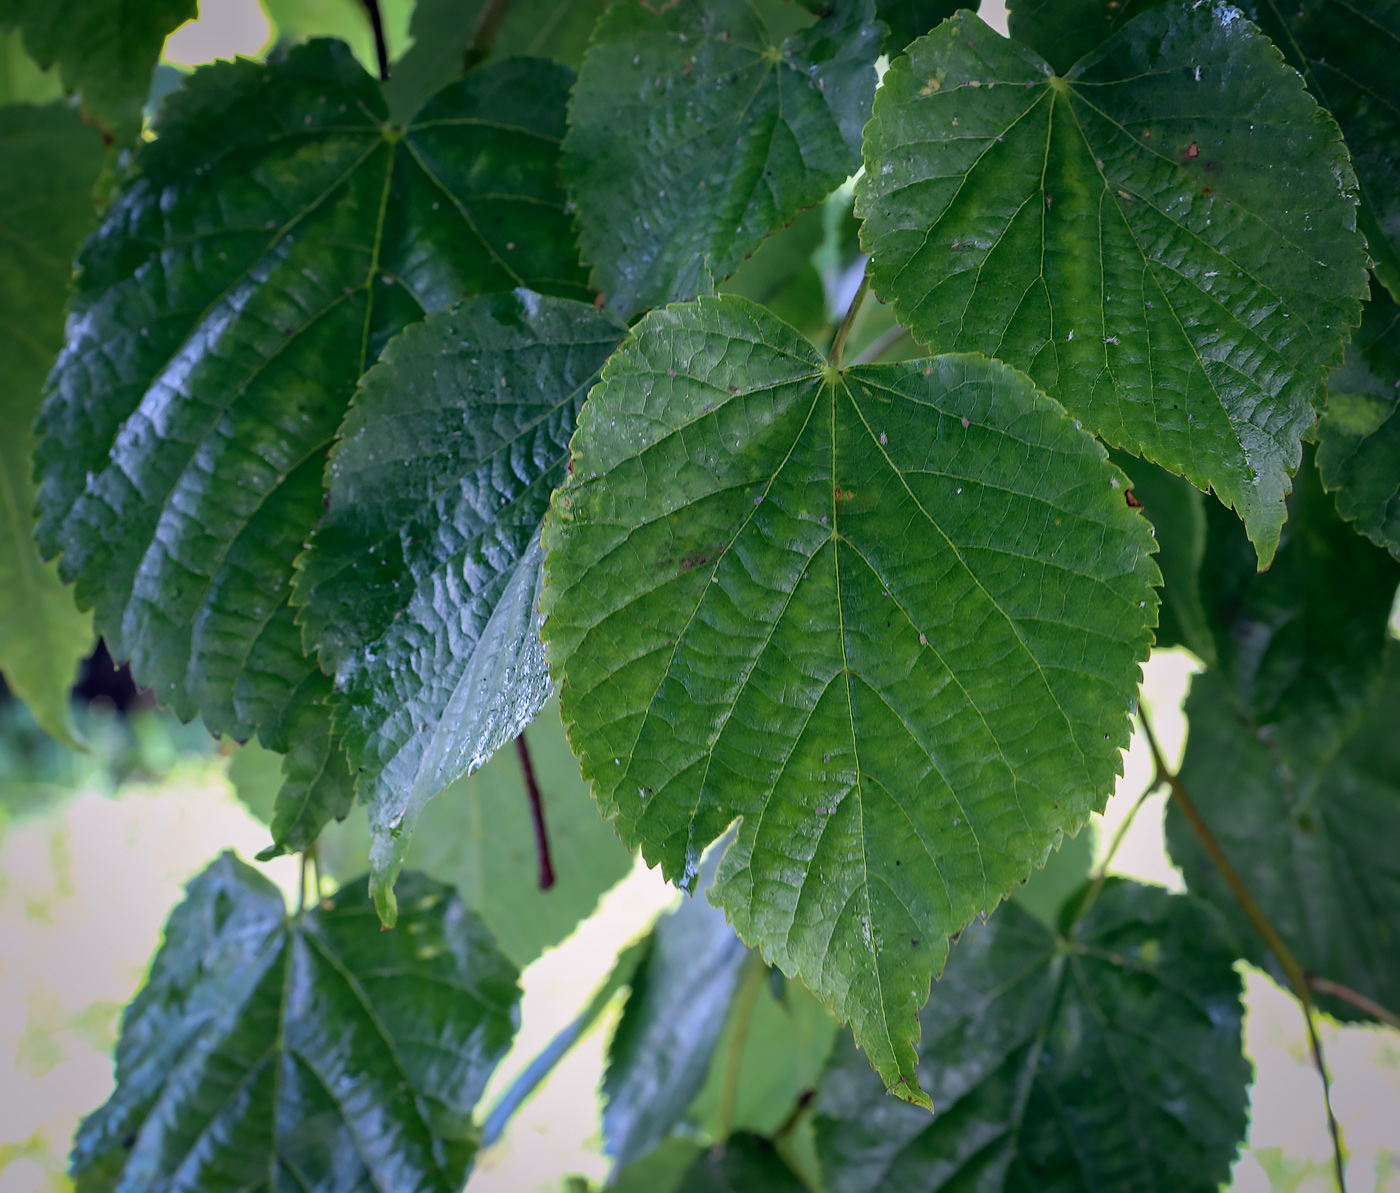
[1303,642]
[49,162]
[273,237]
[782,277]
[1107,1058]
[104,48]
[557,29]
[21,80]
[478,836]
[1177,511]
[1064,872]
[889,616]
[311,1051]
[1064,31]
[1359,437]
[348,20]
[660,1170]
[909,19]
[441,30]
[1347,51]
[1312,835]
[675,1012]
[1164,238]
[743,1163]
[692,136]
[422,582]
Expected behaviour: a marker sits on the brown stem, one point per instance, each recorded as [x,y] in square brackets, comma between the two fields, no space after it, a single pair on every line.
[381,47]
[1296,978]
[1359,1001]
[485,36]
[839,341]
[537,812]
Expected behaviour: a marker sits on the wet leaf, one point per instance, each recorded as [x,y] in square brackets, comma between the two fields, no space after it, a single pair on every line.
[890,617]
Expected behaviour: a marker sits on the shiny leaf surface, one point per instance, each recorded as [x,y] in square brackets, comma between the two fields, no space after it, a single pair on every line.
[1106,1059]
[311,1051]
[692,136]
[890,616]
[1164,238]
[272,239]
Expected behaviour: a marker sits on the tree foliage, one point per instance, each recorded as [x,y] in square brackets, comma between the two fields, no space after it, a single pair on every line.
[387,410]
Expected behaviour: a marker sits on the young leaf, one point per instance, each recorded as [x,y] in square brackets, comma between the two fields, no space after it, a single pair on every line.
[1312,833]
[890,615]
[311,1051]
[692,137]
[274,236]
[1358,450]
[422,582]
[1346,50]
[478,836]
[106,49]
[1303,642]
[1164,238]
[49,163]
[1104,1058]
[660,1053]
[742,1164]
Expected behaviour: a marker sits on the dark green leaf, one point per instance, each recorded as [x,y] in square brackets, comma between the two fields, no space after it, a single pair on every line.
[1312,834]
[479,837]
[104,48]
[49,162]
[908,19]
[890,616]
[273,237]
[1063,873]
[1302,642]
[306,1052]
[1359,436]
[741,1164]
[1164,239]
[1064,31]
[660,1170]
[782,277]
[422,582]
[692,136]
[661,1050]
[348,20]
[1107,1060]
[1347,51]
[442,30]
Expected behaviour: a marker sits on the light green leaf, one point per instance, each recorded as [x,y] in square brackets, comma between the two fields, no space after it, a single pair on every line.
[1359,437]
[1104,1058]
[106,49]
[782,277]
[311,1051]
[1047,889]
[270,241]
[1064,31]
[1311,833]
[1346,50]
[348,20]
[421,584]
[890,616]
[660,1170]
[1164,238]
[49,163]
[21,80]
[692,136]
[479,837]
[1303,642]
[557,29]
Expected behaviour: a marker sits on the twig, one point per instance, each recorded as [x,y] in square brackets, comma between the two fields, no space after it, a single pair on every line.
[301,885]
[537,812]
[1101,875]
[734,1053]
[1296,977]
[485,36]
[381,47]
[839,342]
[1360,1001]
[881,346]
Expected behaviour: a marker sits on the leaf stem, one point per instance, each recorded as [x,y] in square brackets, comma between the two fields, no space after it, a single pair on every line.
[546,867]
[1360,1001]
[1101,874]
[301,885]
[742,1013]
[485,37]
[381,47]
[839,340]
[1296,977]
[881,346]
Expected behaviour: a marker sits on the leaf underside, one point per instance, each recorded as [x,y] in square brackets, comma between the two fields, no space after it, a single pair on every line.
[891,618]
[1164,238]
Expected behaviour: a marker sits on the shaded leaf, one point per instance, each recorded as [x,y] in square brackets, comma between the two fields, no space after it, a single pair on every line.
[311,1051]
[1109,1059]
[348,20]
[660,1170]
[557,29]
[1064,872]
[21,80]
[274,236]
[744,1163]
[782,277]
[1359,437]
[106,49]
[478,836]
[441,30]
[1164,238]
[908,19]
[1064,31]
[692,136]
[890,616]
[49,162]
[421,583]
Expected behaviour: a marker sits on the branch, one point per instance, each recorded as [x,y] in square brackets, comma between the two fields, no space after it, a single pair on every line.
[537,812]
[1296,977]
[839,341]
[1360,1001]
[381,47]
[881,346]
[485,36]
